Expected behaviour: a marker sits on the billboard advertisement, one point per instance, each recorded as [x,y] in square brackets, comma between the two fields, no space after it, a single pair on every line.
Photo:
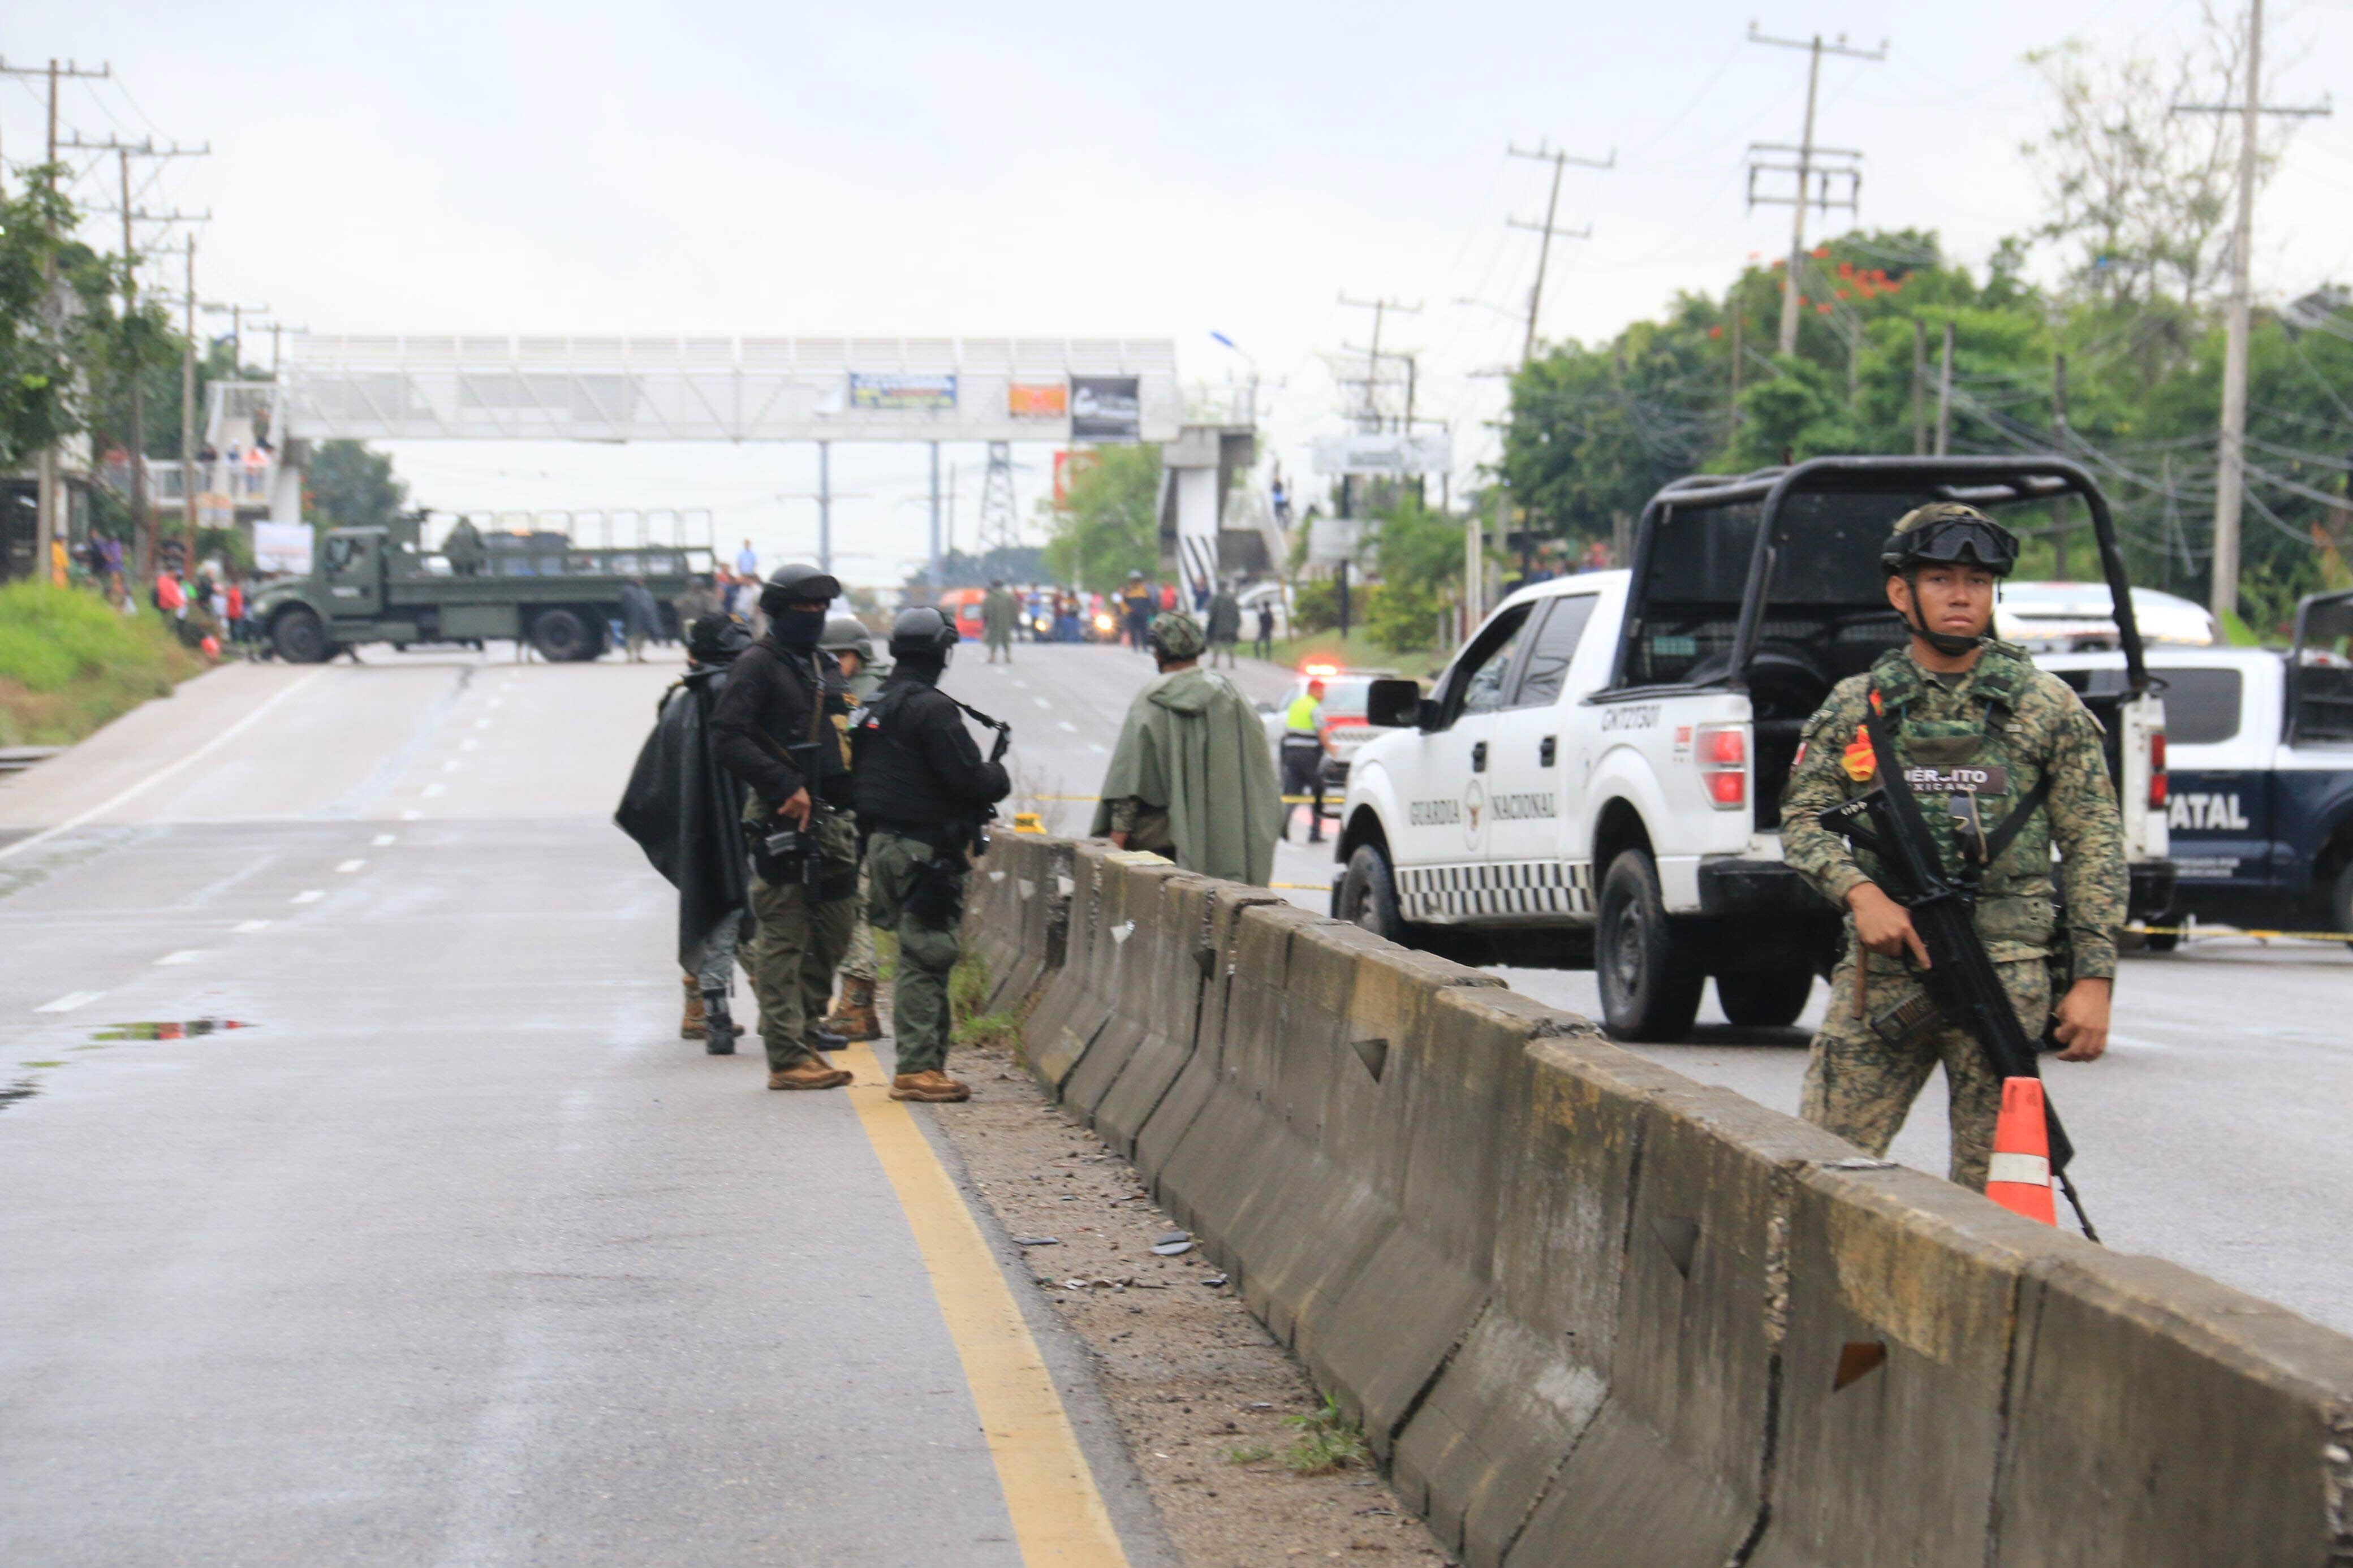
[1037,399]
[1068,467]
[902,393]
[1105,408]
[1385,452]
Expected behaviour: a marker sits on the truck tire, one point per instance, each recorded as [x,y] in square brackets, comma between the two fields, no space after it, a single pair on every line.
[299,638]
[1368,894]
[1769,999]
[1650,980]
[559,635]
[2340,900]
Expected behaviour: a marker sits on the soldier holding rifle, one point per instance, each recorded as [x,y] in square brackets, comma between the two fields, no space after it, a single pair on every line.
[2007,765]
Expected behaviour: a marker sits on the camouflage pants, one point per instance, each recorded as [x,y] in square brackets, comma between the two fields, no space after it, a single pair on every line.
[859,964]
[1862,1087]
[793,951]
[714,967]
[920,1021]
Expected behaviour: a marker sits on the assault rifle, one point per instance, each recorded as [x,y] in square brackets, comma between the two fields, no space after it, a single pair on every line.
[1960,980]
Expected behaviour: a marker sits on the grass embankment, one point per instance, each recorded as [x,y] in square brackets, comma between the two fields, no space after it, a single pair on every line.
[1356,651]
[69,664]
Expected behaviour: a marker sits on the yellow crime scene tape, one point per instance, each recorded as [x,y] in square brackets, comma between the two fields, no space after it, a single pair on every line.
[2197,932]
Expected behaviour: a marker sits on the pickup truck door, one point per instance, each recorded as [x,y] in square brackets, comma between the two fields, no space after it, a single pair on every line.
[354,570]
[1442,779]
[1533,786]
[2219,806]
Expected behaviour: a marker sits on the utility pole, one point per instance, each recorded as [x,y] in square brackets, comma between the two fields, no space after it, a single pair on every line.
[2231,454]
[1919,387]
[1814,178]
[2059,439]
[1380,308]
[142,521]
[1559,161]
[1945,394]
[188,404]
[44,523]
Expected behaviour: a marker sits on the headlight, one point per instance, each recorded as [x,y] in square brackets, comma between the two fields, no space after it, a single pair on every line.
[1103,623]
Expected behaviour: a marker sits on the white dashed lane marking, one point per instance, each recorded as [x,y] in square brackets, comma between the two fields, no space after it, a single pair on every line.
[1066,724]
[381,839]
[185,955]
[348,867]
[432,790]
[412,816]
[70,1001]
[247,928]
[310,896]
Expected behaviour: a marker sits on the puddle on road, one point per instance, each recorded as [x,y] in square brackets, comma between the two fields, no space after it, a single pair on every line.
[170,1029]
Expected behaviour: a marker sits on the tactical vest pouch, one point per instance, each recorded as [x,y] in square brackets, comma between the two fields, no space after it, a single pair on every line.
[936,898]
[1910,1019]
[2026,920]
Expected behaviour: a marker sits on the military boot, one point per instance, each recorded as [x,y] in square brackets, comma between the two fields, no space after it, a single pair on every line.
[853,1016]
[719,1027]
[692,1024]
[812,1074]
[932,1087]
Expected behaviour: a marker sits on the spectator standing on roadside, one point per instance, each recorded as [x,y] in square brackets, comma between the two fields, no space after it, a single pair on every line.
[1264,646]
[234,597]
[640,617]
[1135,602]
[747,565]
[1225,624]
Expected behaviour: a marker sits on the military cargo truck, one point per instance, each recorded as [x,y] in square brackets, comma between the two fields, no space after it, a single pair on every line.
[373,585]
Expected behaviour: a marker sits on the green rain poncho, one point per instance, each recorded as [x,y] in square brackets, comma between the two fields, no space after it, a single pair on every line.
[1193,746]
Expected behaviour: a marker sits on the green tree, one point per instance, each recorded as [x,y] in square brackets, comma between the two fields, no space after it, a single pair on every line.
[57,323]
[352,485]
[1420,553]
[1110,524]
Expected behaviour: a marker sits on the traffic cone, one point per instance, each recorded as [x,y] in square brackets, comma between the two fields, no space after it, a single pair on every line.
[2020,1177]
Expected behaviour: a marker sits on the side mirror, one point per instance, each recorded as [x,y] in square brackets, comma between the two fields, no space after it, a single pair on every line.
[1393,704]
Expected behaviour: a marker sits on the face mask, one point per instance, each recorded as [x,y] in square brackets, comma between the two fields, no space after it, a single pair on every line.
[798,628]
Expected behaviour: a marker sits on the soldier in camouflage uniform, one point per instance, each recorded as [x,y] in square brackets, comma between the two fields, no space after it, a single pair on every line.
[1956,701]
[853,1016]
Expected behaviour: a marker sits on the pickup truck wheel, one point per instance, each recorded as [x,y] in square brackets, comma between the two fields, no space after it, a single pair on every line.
[559,635]
[1767,1001]
[1368,894]
[1651,982]
[299,638]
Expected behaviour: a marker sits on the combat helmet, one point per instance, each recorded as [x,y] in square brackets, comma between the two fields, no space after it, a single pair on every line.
[1175,637]
[848,634]
[798,585]
[923,633]
[1946,534]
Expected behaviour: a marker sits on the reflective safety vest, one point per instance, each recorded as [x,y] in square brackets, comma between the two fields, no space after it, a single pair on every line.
[1300,716]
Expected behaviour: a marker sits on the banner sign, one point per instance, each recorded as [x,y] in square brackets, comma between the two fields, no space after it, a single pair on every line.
[902,393]
[1105,408]
[1037,399]
[1385,452]
[282,547]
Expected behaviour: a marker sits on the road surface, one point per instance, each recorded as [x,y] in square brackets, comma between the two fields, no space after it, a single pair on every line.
[2214,1133]
[455,1254]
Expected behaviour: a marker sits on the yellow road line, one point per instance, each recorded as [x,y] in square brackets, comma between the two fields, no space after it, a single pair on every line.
[1058,1515]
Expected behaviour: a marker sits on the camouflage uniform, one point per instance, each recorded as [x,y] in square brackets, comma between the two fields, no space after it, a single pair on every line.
[2004,712]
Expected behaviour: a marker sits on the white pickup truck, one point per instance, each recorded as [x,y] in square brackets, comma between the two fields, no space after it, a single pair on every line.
[1596,776]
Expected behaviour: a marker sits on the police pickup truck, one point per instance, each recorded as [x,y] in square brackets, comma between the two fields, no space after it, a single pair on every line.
[1596,776]
[373,584]
[2259,748]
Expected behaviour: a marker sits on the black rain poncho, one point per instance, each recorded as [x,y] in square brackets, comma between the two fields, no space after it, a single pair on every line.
[686,811]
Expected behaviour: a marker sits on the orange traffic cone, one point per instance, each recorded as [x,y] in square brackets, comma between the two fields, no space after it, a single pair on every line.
[2020,1177]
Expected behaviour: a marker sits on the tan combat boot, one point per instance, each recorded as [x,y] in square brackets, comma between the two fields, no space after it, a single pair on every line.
[853,1016]
[692,1024]
[931,1086]
[812,1073]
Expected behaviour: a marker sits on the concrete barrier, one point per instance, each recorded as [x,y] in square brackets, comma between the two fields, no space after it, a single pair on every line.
[1070,1012]
[1593,1312]
[1019,930]
[1139,972]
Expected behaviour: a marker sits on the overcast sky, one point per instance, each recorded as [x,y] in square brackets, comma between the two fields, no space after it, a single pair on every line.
[918,168]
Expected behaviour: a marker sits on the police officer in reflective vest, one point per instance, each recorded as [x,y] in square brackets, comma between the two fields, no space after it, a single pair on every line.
[1302,757]
[1970,716]
[923,793]
[774,729]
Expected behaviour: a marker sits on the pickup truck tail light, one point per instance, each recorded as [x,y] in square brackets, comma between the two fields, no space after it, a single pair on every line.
[1722,753]
[2156,786]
